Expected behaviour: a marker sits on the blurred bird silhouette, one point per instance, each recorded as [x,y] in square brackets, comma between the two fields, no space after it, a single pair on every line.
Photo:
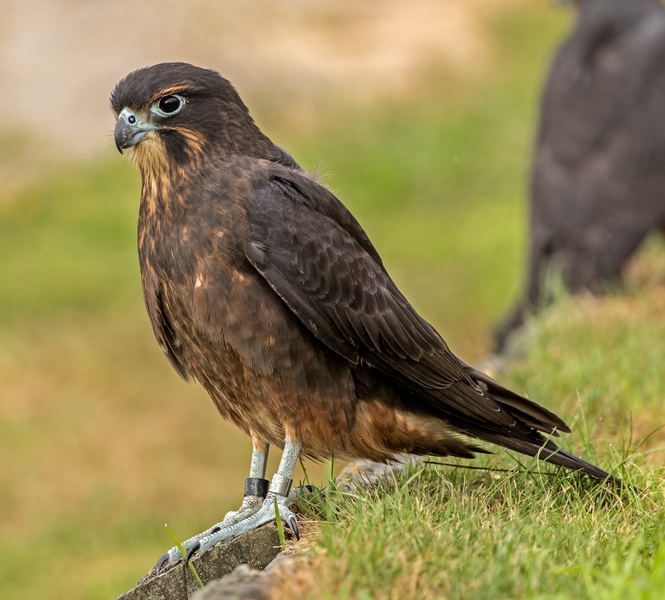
[598,171]
[261,285]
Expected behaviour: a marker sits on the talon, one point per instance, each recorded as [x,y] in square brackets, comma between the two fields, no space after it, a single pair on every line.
[160,563]
[293,525]
[193,550]
[215,529]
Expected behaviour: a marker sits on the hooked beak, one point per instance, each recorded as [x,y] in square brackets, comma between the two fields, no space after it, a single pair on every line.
[130,129]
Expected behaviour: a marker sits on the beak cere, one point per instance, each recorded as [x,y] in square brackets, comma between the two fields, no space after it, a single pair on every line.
[129,130]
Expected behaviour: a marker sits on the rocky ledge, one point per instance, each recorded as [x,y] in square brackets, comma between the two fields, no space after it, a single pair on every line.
[255,549]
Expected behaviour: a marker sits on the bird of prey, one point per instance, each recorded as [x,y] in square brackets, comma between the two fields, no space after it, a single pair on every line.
[261,285]
[598,169]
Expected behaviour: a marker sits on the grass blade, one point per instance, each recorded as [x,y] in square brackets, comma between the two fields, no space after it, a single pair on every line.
[184,554]
[280,527]
[302,464]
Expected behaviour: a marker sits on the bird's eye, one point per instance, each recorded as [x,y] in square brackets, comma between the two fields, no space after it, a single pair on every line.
[169,105]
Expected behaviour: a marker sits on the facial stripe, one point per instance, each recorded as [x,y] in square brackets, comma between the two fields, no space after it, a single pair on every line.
[180,88]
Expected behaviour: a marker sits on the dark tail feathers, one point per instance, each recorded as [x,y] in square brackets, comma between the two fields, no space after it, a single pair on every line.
[551,453]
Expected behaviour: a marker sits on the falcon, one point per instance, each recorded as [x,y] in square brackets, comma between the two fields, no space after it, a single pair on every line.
[262,286]
[597,176]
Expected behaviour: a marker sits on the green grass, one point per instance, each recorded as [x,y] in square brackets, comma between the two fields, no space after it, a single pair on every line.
[183,553]
[68,243]
[447,533]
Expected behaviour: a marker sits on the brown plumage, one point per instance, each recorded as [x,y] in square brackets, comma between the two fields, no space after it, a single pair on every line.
[261,285]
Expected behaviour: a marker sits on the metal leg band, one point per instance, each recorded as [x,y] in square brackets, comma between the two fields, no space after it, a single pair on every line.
[256,486]
[280,485]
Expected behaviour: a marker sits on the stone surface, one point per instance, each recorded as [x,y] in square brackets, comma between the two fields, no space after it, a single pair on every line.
[246,583]
[256,549]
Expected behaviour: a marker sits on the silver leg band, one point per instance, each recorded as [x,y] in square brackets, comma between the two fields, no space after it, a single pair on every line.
[280,485]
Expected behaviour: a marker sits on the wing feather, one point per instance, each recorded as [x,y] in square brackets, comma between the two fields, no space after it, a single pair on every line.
[330,275]
[316,257]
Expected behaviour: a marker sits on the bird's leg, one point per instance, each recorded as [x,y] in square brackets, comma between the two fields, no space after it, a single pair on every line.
[280,489]
[256,488]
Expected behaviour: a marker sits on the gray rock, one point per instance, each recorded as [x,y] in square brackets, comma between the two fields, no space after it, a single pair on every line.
[256,549]
[246,583]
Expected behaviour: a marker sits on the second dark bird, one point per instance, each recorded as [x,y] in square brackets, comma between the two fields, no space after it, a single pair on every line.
[598,170]
[261,285]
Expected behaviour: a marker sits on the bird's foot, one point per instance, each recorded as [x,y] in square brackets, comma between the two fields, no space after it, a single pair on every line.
[265,514]
[249,506]
[253,513]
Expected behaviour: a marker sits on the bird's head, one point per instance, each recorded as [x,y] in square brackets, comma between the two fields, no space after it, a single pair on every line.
[174,114]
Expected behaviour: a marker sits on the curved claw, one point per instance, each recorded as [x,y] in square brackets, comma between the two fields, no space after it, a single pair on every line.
[293,526]
[192,551]
[160,563]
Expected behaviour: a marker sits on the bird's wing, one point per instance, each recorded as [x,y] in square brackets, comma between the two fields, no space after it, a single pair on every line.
[329,277]
[316,257]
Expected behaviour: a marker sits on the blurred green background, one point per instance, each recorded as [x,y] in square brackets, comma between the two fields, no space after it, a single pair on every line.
[421,114]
